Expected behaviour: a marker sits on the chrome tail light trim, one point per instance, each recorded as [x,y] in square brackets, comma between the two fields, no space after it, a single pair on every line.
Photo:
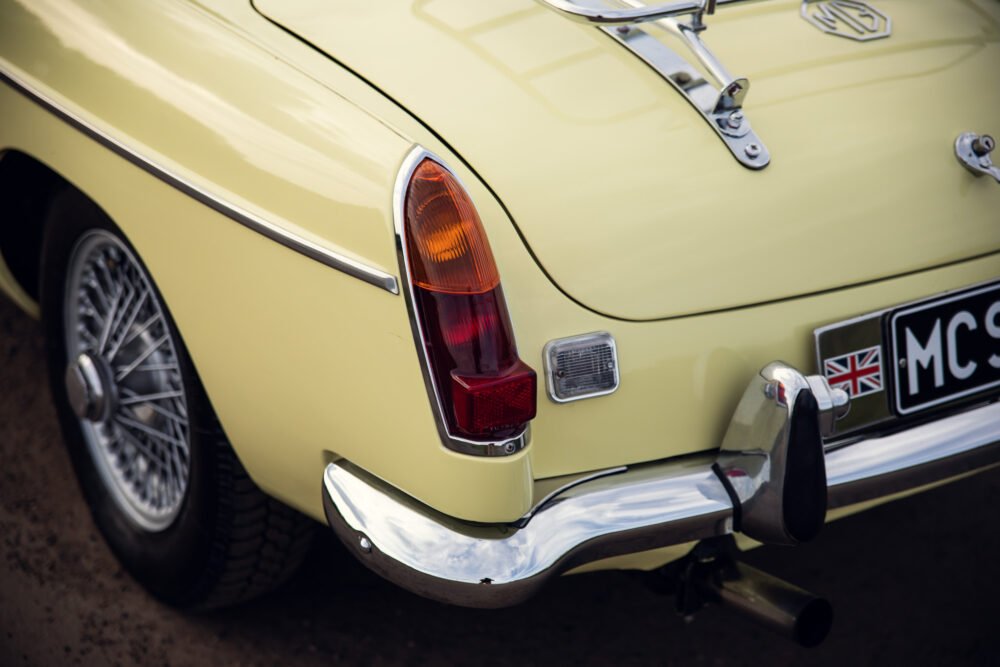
[504,447]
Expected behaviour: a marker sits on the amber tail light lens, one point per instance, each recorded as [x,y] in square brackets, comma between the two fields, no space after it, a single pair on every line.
[486,392]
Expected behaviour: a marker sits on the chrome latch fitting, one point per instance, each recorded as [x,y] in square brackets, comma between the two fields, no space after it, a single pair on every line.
[973,153]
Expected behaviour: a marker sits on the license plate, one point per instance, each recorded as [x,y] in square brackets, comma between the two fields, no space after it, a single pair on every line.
[945,349]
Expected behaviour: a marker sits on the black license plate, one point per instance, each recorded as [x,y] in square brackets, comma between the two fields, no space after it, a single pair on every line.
[946,349]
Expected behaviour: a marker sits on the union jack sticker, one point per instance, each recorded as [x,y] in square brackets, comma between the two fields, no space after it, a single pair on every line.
[858,373]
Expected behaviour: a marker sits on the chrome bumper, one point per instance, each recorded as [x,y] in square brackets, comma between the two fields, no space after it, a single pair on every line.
[626,511]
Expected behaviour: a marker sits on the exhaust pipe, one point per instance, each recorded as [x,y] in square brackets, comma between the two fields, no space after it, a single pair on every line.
[787,609]
[711,573]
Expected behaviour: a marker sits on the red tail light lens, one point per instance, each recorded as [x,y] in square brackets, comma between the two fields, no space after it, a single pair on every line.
[486,392]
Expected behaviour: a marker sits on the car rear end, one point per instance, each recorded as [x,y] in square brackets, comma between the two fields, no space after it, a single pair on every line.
[726,335]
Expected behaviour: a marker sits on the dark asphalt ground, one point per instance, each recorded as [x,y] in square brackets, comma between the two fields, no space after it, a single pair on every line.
[912,582]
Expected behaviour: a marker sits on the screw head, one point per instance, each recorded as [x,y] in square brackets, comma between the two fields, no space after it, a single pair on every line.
[365,544]
[623,29]
[752,151]
[509,447]
[735,119]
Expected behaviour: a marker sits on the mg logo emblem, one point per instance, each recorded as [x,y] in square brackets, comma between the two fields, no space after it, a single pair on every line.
[847,18]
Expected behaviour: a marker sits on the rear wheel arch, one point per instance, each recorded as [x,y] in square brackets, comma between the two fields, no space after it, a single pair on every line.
[41,216]
[27,188]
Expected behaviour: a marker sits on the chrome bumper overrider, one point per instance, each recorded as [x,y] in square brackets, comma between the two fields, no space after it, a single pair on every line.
[635,509]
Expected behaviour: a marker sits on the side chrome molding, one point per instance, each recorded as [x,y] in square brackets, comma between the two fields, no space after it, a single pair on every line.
[258,224]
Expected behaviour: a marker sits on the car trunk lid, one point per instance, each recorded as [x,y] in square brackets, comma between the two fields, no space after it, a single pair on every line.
[629,200]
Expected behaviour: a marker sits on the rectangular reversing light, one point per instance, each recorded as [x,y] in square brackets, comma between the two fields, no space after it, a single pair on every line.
[581,367]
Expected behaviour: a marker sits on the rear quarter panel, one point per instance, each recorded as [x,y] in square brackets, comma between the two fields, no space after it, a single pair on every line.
[302,363]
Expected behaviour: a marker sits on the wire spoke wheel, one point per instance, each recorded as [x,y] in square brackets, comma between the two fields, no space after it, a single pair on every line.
[124,381]
[164,486]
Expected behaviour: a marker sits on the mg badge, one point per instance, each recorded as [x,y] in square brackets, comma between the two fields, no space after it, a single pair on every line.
[847,18]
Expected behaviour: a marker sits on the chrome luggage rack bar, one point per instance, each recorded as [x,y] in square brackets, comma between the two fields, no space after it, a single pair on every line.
[721,106]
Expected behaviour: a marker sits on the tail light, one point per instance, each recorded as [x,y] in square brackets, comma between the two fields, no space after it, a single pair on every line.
[485,392]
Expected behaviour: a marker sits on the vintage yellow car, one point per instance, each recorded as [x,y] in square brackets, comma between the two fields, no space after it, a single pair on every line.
[502,290]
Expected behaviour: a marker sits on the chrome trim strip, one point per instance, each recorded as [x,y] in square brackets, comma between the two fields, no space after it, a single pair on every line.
[504,447]
[566,487]
[921,455]
[648,506]
[270,230]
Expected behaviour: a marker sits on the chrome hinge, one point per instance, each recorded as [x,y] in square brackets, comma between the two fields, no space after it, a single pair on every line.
[721,105]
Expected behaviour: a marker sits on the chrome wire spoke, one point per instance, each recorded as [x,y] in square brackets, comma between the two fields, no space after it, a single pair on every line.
[109,323]
[133,398]
[151,432]
[91,342]
[143,328]
[139,432]
[98,291]
[125,371]
[124,330]
[122,308]
[90,310]
[142,448]
[152,368]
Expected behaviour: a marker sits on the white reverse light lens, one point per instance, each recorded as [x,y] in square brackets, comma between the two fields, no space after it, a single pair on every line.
[581,367]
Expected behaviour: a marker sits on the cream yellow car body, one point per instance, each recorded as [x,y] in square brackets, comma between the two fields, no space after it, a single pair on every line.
[305,364]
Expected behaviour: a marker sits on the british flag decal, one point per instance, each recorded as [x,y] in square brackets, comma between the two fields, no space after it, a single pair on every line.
[858,373]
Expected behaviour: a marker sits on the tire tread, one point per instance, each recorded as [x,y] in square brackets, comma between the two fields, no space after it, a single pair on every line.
[259,541]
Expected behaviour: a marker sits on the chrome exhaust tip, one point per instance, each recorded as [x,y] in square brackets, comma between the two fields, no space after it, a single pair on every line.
[711,573]
[785,608]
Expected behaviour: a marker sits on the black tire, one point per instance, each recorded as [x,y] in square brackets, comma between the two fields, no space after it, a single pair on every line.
[227,541]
